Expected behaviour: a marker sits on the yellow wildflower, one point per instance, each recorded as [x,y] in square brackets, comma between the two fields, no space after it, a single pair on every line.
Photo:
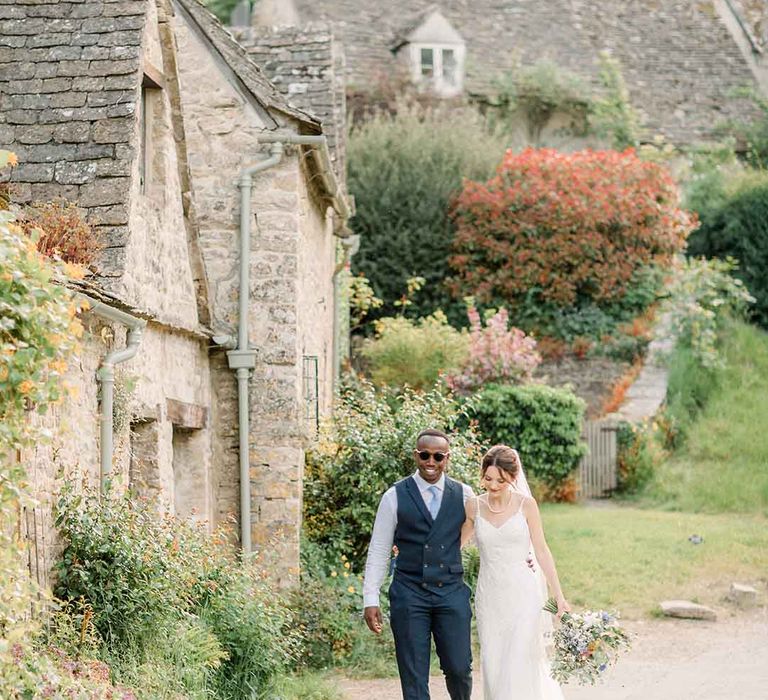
[3,373]
[346,565]
[346,574]
[59,366]
[26,386]
[351,589]
[333,574]
[75,272]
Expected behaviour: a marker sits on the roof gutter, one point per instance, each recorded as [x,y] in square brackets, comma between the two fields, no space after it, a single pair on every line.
[339,200]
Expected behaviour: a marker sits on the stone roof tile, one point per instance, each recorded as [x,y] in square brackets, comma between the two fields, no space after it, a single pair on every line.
[679,60]
[70,78]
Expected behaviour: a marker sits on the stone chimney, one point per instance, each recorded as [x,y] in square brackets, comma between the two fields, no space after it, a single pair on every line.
[275,13]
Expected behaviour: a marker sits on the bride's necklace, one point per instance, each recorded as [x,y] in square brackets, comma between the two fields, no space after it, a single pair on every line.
[504,508]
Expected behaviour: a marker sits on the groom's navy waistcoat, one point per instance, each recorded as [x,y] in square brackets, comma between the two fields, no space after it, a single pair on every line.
[429,551]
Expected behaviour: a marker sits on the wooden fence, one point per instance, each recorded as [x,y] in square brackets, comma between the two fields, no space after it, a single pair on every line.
[598,469]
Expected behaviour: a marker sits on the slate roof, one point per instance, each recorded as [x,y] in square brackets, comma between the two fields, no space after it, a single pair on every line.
[238,60]
[69,85]
[679,60]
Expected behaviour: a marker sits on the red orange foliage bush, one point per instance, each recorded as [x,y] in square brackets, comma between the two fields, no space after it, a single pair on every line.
[64,232]
[564,229]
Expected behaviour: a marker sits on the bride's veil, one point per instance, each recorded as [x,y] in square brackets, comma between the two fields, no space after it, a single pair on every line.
[521,485]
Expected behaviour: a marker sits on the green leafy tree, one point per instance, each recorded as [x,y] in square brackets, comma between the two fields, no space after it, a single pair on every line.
[365,450]
[403,171]
[738,228]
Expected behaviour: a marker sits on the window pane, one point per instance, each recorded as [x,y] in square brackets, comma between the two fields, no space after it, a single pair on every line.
[427,62]
[449,66]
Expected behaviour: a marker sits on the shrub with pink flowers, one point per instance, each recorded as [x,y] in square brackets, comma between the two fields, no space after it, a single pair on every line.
[497,354]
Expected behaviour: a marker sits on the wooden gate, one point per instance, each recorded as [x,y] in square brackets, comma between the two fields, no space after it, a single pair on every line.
[598,469]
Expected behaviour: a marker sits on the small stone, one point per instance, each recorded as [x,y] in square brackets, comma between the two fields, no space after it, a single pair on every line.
[744,596]
[688,610]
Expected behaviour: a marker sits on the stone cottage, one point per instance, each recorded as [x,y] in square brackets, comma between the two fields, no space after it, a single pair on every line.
[682,60]
[213,319]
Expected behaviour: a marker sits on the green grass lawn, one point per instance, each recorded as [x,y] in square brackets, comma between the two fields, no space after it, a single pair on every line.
[630,559]
[723,464]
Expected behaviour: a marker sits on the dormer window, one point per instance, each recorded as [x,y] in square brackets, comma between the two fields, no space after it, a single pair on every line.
[435,52]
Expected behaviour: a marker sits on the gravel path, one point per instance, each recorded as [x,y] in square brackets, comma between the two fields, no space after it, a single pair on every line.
[670,660]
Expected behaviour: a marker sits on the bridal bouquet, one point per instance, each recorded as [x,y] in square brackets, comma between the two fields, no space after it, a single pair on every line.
[585,644]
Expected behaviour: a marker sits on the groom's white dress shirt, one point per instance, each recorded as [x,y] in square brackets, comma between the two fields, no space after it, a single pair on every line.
[380,549]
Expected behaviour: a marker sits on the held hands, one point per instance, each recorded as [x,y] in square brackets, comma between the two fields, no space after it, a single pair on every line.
[562,607]
[372,617]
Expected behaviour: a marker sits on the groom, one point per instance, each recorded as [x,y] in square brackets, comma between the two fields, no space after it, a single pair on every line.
[422,516]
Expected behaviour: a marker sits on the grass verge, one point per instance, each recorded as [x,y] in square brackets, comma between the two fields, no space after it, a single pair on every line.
[630,559]
[722,465]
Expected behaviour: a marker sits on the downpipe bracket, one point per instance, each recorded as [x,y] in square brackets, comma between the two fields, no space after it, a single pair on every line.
[242,359]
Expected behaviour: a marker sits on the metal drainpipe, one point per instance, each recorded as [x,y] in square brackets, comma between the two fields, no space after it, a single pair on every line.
[349,246]
[243,358]
[106,377]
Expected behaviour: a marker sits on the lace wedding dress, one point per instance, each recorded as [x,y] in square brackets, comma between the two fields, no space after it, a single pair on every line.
[510,622]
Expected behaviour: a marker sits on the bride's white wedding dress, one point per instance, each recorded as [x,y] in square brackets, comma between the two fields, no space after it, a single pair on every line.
[508,603]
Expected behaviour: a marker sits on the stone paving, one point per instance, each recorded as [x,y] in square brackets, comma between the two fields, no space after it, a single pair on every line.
[648,392]
[670,660]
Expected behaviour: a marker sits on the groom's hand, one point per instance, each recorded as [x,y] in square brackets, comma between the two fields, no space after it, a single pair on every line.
[372,617]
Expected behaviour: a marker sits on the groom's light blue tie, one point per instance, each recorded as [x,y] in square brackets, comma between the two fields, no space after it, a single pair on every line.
[434,504]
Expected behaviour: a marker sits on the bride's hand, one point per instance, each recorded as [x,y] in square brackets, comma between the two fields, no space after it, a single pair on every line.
[562,607]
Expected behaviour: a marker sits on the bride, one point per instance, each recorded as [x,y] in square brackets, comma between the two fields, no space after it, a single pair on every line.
[510,595]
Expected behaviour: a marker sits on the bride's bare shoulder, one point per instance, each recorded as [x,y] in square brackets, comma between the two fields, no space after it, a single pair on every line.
[529,505]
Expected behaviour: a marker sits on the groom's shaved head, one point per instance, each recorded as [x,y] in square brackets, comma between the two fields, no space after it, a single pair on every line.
[432,432]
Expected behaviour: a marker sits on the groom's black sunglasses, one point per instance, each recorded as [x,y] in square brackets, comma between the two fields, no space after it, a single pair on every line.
[437,456]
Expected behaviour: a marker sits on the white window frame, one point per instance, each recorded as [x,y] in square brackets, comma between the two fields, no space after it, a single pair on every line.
[438,82]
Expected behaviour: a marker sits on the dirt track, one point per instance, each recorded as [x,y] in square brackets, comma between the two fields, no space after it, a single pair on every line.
[670,660]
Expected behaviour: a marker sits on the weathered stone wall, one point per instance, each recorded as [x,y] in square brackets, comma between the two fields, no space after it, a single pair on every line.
[163,392]
[157,276]
[221,123]
[70,455]
[315,297]
[163,395]
[307,66]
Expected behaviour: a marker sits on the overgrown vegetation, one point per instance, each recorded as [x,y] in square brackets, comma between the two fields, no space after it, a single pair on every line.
[168,606]
[413,353]
[720,461]
[534,95]
[365,450]
[222,8]
[61,232]
[404,168]
[734,224]
[38,337]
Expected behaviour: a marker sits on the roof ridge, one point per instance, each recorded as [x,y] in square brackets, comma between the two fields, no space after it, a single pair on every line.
[237,58]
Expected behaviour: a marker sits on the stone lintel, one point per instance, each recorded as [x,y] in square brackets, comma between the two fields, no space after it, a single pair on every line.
[187,415]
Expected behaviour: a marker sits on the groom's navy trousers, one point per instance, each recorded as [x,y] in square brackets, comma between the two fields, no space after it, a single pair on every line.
[428,597]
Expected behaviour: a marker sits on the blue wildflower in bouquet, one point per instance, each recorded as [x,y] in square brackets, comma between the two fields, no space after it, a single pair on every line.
[585,645]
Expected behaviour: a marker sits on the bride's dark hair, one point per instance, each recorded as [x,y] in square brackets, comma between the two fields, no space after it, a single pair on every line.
[502,457]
